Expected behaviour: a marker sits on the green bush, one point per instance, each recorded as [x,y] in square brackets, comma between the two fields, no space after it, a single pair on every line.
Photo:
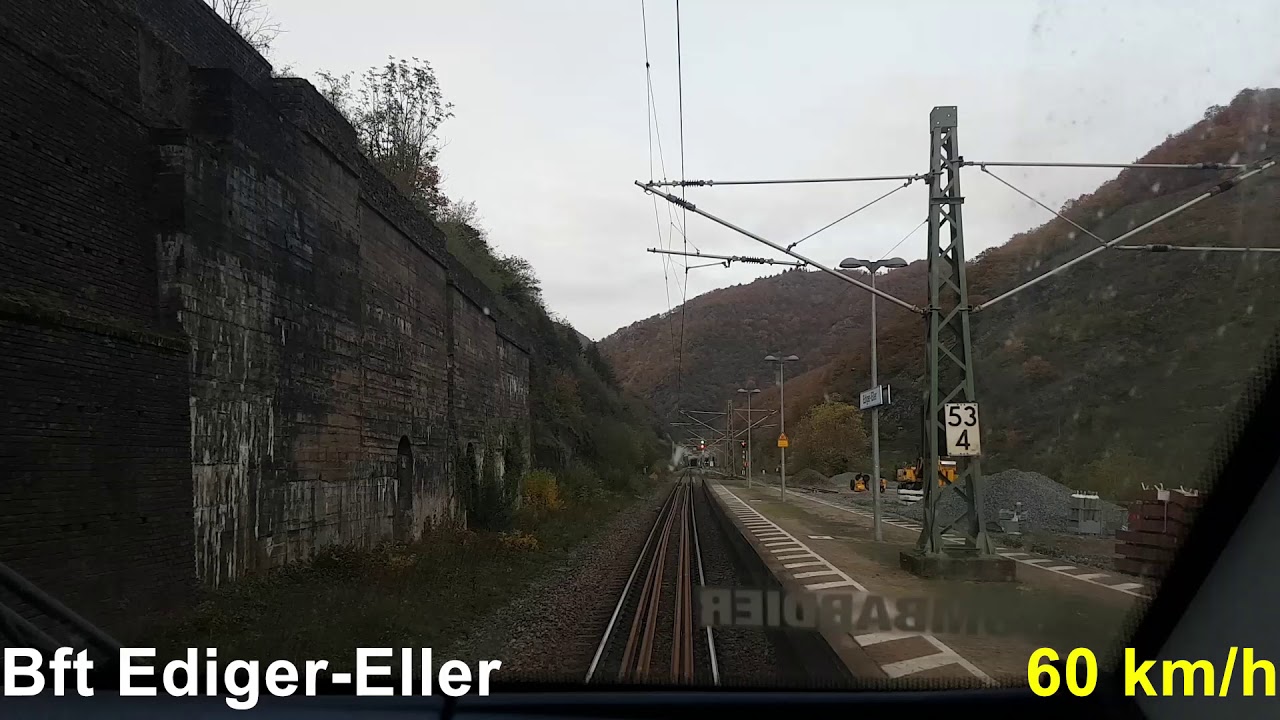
[542,492]
[581,481]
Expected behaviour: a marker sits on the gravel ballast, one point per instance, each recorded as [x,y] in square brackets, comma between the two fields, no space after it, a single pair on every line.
[550,633]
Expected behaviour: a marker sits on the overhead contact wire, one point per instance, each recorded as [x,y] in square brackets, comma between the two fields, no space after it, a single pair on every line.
[684,230]
[848,215]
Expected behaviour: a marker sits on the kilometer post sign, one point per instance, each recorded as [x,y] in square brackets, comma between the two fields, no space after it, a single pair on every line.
[964,437]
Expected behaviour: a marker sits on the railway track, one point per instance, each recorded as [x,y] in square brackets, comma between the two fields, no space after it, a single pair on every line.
[653,635]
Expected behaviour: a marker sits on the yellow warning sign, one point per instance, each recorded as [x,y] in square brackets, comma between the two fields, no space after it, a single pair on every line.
[782,440]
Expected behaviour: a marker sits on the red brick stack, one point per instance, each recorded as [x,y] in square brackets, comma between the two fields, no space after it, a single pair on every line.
[1157,525]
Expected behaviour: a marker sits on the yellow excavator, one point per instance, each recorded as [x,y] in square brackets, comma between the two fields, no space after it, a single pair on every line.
[912,478]
[862,481]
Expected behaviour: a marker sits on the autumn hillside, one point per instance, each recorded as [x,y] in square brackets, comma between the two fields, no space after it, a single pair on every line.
[1116,371]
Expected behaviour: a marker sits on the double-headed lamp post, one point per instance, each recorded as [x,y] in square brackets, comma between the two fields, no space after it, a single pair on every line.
[782,412]
[873,267]
[749,393]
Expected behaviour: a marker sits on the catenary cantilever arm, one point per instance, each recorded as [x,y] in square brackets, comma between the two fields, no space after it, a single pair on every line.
[694,209]
[1217,189]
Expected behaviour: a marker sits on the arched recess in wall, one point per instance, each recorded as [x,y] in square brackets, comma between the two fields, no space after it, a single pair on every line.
[468,479]
[469,473]
[473,463]
[404,487]
[513,468]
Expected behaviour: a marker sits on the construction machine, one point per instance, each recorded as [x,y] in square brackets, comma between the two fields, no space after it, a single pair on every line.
[861,481]
[912,477]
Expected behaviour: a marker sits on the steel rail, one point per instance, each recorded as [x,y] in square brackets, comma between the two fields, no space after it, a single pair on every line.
[638,653]
[674,532]
[635,569]
[702,581]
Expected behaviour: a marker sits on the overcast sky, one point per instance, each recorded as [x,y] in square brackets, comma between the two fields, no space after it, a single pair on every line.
[550,110]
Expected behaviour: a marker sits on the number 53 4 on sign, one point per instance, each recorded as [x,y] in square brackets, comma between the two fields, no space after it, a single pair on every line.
[964,435]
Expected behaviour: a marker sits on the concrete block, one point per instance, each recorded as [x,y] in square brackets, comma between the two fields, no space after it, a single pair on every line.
[959,564]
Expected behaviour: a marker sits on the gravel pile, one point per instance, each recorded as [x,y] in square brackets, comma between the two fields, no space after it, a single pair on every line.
[843,480]
[1046,504]
[809,478]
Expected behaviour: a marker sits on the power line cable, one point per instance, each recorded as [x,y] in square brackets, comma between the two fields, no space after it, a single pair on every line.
[684,234]
[1218,188]
[904,239]
[651,120]
[848,215]
[1028,196]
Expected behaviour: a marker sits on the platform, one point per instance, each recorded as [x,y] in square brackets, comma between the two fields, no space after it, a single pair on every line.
[906,530]
[810,548]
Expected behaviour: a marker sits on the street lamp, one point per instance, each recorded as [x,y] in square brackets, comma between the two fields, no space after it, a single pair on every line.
[874,267]
[749,393]
[782,411]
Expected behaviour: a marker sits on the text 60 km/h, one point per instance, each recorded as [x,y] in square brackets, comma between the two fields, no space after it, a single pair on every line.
[1169,678]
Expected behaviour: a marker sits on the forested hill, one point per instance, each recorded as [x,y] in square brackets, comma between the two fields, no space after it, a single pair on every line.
[1116,371]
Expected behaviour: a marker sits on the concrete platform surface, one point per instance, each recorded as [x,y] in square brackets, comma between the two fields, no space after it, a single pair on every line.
[900,626]
[905,527]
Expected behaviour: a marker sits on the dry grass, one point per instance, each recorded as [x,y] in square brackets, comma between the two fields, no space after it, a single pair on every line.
[427,594]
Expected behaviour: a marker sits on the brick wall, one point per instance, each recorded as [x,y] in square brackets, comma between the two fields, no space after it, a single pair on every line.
[72,186]
[95,491]
[513,405]
[474,363]
[95,478]
[331,358]
[196,31]
[304,278]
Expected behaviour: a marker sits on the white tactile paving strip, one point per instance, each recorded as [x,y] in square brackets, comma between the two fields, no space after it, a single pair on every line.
[1088,575]
[816,573]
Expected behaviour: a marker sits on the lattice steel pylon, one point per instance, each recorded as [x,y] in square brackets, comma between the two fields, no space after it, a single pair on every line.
[949,351]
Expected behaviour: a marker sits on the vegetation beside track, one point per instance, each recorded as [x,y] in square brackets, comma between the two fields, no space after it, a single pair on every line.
[429,593]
